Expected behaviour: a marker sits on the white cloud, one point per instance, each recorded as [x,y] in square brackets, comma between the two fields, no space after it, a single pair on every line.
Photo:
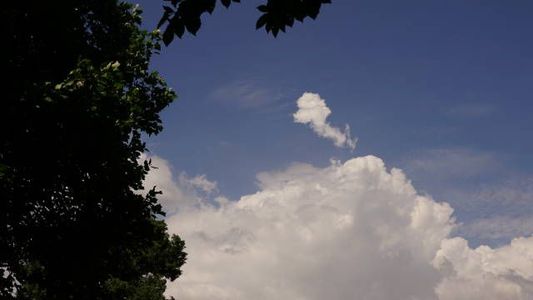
[202,183]
[352,230]
[312,110]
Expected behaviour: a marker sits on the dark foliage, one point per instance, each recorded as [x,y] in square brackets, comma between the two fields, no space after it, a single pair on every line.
[185,15]
[77,96]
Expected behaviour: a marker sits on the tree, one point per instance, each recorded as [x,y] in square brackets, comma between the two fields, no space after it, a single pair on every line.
[75,222]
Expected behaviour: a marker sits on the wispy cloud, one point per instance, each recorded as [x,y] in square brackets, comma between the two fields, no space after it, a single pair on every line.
[472,110]
[450,163]
[246,94]
[507,199]
[497,229]
[200,182]
[313,111]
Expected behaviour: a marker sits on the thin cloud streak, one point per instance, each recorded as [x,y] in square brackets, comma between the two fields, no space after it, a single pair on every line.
[246,94]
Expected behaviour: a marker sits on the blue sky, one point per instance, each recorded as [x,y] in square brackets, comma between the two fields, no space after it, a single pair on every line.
[440,89]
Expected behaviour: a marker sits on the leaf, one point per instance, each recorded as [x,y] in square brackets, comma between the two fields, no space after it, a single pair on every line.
[179,28]
[275,31]
[164,19]
[168,35]
[290,22]
[226,3]
[262,8]
[193,25]
[261,21]
[210,6]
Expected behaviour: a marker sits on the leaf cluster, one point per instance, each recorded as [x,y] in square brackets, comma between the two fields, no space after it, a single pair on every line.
[185,15]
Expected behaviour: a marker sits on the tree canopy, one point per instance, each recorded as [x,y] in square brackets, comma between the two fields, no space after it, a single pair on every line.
[74,220]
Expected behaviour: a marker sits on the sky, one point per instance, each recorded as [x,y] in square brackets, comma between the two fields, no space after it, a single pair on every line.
[303,137]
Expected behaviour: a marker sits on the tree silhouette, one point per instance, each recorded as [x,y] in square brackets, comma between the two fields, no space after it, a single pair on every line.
[74,220]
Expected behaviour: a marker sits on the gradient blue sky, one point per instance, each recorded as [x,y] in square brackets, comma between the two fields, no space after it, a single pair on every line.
[440,89]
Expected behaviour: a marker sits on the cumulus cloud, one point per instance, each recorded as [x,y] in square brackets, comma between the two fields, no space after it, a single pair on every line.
[485,273]
[351,230]
[312,110]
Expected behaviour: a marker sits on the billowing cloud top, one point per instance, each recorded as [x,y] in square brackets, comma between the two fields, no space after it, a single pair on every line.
[351,230]
[312,110]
